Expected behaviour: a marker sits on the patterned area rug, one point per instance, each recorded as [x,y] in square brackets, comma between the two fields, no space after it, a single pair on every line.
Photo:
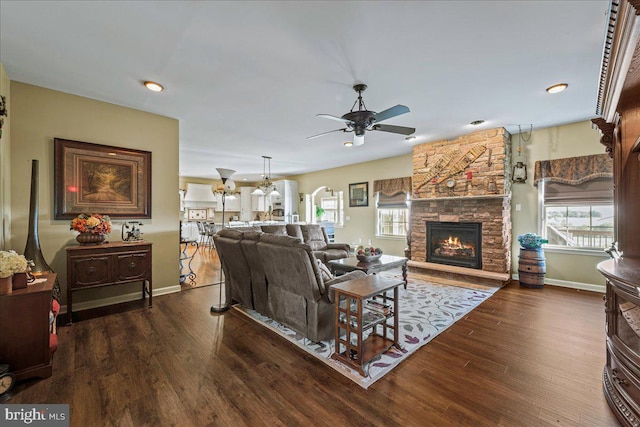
[426,309]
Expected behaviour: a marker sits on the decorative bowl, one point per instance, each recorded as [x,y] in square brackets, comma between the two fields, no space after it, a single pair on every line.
[370,258]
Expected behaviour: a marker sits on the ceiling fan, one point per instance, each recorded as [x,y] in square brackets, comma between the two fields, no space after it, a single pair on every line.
[363,120]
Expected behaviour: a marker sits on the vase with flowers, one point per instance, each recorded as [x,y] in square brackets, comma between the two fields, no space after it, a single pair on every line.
[92,228]
[11,264]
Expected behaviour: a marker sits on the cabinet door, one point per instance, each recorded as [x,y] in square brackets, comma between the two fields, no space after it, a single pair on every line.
[92,270]
[245,204]
[133,266]
[257,204]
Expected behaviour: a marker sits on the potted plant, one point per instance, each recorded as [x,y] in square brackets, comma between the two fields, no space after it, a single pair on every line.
[319,212]
[531,241]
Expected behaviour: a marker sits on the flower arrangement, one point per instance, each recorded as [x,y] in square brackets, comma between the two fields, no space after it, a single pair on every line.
[11,262]
[531,241]
[94,224]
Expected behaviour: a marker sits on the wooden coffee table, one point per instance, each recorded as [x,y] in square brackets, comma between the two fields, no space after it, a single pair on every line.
[386,262]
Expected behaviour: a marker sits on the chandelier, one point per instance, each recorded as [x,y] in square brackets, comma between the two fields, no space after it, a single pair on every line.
[265,186]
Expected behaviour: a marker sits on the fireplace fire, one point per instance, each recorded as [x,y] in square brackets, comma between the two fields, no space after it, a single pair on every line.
[454,243]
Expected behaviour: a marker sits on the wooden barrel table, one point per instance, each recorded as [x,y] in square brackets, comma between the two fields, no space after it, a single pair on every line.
[531,268]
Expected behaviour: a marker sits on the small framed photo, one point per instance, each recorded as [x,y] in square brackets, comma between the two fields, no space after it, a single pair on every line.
[359,194]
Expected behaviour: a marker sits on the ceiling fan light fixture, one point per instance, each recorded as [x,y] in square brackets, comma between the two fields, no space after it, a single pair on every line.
[153,86]
[557,88]
[348,144]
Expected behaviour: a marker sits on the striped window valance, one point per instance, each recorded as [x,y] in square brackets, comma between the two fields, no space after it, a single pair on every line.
[574,170]
[392,186]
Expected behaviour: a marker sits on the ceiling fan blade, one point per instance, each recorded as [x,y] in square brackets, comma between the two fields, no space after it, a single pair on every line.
[391,112]
[339,119]
[324,133]
[394,129]
[358,140]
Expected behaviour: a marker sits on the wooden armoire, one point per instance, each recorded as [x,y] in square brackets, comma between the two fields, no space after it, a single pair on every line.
[619,108]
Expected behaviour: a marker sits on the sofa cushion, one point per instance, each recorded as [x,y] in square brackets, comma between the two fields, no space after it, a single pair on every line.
[331,254]
[314,236]
[230,233]
[279,230]
[252,235]
[294,230]
[276,239]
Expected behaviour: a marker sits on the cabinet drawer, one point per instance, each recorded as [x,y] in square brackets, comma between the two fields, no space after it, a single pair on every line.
[133,266]
[622,378]
[91,271]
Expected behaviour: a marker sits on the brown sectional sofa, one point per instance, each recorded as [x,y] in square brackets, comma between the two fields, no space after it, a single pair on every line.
[313,235]
[281,279]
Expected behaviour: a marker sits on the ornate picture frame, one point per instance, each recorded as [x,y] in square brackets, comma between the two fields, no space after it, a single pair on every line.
[94,178]
[359,194]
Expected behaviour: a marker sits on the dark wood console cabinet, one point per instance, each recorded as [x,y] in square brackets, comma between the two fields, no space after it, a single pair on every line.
[25,331]
[108,264]
[619,106]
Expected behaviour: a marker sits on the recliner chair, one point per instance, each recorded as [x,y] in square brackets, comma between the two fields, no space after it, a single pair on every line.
[297,293]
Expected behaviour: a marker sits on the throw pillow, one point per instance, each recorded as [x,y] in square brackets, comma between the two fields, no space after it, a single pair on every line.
[324,271]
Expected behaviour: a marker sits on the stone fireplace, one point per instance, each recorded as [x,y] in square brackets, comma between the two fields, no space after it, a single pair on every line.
[466,183]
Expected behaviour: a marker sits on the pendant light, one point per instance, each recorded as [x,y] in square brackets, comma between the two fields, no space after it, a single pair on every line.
[265,187]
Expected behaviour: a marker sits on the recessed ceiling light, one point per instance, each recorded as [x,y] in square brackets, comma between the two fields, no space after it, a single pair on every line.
[557,88]
[410,138]
[156,87]
[348,143]
[476,122]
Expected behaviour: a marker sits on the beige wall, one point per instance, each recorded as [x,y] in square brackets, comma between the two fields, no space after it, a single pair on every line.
[360,222]
[38,116]
[576,139]
[5,164]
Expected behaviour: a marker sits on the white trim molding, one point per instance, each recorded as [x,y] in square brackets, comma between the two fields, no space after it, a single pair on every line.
[573,285]
[87,305]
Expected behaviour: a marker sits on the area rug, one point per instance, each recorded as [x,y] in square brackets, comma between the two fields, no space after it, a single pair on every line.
[426,309]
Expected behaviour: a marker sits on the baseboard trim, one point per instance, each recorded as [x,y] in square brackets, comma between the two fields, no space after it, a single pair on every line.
[87,305]
[573,285]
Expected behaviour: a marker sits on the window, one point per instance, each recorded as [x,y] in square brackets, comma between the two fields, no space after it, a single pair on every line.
[578,216]
[393,215]
[330,206]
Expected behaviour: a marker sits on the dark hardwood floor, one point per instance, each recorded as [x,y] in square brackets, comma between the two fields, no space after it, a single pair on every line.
[525,357]
[206,266]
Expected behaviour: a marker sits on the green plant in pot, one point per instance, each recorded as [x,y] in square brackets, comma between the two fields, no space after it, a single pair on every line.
[531,241]
[319,212]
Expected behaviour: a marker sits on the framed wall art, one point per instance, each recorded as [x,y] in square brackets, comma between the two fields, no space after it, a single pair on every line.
[359,194]
[93,178]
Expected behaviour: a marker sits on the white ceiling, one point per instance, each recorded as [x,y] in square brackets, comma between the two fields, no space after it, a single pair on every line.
[246,79]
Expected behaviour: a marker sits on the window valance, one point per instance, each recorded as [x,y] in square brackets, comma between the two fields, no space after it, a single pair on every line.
[574,170]
[392,186]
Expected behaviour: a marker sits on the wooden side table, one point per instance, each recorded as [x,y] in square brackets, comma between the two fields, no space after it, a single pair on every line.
[25,332]
[94,266]
[355,316]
